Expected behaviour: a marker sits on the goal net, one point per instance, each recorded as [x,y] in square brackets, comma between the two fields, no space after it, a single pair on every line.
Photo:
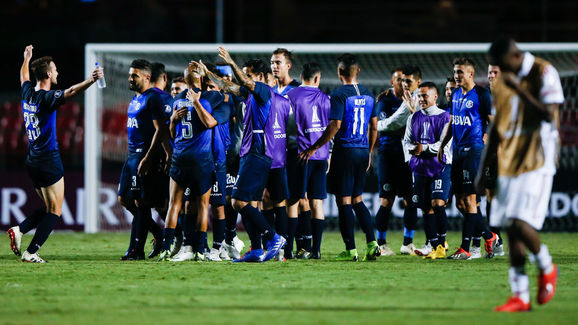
[105,113]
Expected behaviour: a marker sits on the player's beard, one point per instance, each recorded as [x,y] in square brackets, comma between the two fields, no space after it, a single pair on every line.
[133,87]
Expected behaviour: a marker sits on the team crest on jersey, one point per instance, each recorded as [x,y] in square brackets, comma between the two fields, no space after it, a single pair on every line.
[137,106]
[168,109]
[382,116]
[276,124]
[469,104]
[387,187]
[424,133]
[315,117]
[415,199]
[57,94]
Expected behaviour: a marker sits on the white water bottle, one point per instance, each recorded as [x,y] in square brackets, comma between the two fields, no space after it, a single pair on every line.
[100,83]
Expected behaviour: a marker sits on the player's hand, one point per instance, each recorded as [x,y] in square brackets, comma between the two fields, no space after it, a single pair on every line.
[193,96]
[510,79]
[306,154]
[179,114]
[28,52]
[441,155]
[144,166]
[97,73]
[409,103]
[368,164]
[198,68]
[167,166]
[417,150]
[224,54]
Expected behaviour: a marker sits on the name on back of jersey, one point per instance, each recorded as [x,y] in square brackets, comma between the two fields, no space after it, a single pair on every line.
[30,107]
[360,102]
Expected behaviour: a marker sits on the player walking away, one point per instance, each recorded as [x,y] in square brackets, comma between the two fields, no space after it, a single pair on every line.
[281,63]
[470,114]
[147,131]
[263,144]
[193,165]
[311,108]
[526,98]
[397,111]
[431,177]
[43,163]
[178,84]
[491,171]
[352,122]
[449,89]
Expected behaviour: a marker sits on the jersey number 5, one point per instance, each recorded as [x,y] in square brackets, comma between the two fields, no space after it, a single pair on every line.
[358,118]
[31,121]
[187,126]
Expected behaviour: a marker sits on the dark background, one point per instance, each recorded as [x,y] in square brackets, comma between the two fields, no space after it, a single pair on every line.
[61,28]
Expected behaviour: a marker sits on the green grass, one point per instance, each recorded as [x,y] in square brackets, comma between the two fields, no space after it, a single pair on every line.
[85,283]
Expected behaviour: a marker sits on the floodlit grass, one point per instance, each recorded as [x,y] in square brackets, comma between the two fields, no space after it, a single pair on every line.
[85,283]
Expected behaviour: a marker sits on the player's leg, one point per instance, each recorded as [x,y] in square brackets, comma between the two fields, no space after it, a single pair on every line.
[233,244]
[217,202]
[30,222]
[403,183]
[175,204]
[316,185]
[187,220]
[421,198]
[385,174]
[304,227]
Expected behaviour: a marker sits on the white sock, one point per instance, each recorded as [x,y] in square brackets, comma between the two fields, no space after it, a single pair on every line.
[519,283]
[544,260]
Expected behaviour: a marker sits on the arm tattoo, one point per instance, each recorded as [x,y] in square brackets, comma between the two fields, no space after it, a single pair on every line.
[226,85]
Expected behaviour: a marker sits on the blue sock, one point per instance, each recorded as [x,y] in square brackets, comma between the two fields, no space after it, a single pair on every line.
[442,223]
[381,224]
[281,221]
[364,218]
[347,225]
[44,229]
[257,220]
[468,230]
[32,220]
[188,222]
[291,229]
[202,240]
[430,223]
[407,236]
[231,221]
[254,235]
[305,225]
[317,230]
[269,215]
[168,238]
[218,232]
[381,237]
[144,215]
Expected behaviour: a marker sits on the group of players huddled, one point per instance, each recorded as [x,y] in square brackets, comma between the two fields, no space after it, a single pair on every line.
[270,148]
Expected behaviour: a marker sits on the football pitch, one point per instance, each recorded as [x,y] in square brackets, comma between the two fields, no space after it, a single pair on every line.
[85,283]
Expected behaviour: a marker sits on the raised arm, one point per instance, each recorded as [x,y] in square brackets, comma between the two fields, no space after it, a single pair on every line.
[395,122]
[24,70]
[243,78]
[82,86]
[226,85]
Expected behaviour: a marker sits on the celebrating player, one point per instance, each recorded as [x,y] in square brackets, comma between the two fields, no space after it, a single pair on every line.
[526,98]
[352,122]
[470,113]
[311,110]
[449,89]
[43,163]
[178,84]
[147,131]
[431,177]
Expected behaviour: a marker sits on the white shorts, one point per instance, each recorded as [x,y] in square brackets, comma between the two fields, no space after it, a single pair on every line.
[523,197]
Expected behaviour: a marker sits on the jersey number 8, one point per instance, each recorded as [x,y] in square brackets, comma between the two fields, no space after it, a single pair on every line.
[32,129]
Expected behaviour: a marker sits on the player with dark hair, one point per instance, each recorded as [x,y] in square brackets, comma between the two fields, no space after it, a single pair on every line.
[354,125]
[311,108]
[449,89]
[193,162]
[281,63]
[43,162]
[147,131]
[394,122]
[178,84]
[526,97]
[431,177]
[471,106]
[264,146]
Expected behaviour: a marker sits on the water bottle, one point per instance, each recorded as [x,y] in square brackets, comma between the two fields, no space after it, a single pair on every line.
[100,83]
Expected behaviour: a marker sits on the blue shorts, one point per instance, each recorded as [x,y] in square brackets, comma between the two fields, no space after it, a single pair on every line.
[426,189]
[44,170]
[393,174]
[277,184]
[252,178]
[311,178]
[220,181]
[465,165]
[347,171]
[193,171]
[232,171]
[152,188]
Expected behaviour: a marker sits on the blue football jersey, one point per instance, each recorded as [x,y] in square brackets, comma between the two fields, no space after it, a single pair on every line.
[167,100]
[293,84]
[386,106]
[470,116]
[142,111]
[192,136]
[258,106]
[39,110]
[354,106]
[221,132]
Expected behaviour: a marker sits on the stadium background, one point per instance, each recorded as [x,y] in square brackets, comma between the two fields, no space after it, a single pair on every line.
[68,25]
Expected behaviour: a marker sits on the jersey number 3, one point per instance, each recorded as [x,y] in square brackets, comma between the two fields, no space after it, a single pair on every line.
[31,121]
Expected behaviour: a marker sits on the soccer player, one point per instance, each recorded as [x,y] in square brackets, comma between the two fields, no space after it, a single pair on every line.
[449,88]
[470,112]
[43,163]
[393,171]
[431,177]
[147,131]
[354,125]
[263,145]
[311,108]
[526,98]
[178,84]
[193,165]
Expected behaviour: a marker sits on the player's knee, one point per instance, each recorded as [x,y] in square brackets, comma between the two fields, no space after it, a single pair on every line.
[438,203]
[357,199]
[238,205]
[387,201]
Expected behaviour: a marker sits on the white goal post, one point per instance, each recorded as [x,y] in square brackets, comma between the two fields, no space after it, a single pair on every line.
[374,53]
